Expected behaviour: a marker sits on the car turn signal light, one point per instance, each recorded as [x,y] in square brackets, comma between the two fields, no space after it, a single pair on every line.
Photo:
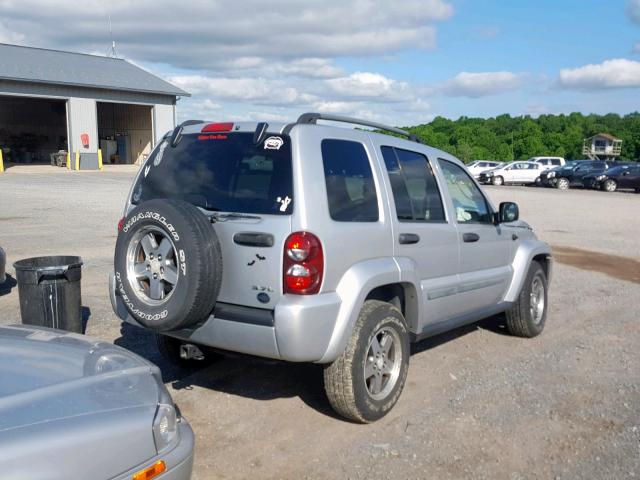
[151,472]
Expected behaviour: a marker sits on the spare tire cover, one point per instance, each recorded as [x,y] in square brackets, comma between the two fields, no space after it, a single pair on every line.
[168,264]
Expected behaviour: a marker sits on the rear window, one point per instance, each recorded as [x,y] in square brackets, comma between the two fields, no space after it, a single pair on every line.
[351,191]
[221,172]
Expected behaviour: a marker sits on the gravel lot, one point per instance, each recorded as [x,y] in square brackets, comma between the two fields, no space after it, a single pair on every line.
[478,403]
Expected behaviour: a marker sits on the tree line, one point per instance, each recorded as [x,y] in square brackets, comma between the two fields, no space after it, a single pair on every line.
[508,138]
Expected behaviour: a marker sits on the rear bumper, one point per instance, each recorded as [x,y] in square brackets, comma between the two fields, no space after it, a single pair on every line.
[179,461]
[299,329]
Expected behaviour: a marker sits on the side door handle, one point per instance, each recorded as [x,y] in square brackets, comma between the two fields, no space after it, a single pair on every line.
[408,238]
[470,237]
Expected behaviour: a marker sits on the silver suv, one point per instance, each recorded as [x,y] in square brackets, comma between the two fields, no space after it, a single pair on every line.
[314,243]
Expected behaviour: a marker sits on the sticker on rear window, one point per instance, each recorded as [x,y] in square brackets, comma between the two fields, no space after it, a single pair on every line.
[273,143]
[212,137]
[160,154]
[284,203]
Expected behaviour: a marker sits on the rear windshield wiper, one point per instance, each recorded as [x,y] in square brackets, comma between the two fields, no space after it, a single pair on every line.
[223,217]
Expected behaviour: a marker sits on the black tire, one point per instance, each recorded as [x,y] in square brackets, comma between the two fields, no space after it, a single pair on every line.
[497,181]
[521,320]
[169,348]
[344,379]
[197,265]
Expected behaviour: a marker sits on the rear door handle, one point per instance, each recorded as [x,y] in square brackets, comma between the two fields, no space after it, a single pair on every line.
[408,238]
[470,237]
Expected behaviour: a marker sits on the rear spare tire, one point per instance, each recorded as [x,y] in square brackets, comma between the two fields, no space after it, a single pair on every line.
[168,265]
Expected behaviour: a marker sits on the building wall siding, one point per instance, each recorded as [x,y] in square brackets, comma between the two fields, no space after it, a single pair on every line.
[82,118]
[163,121]
[8,87]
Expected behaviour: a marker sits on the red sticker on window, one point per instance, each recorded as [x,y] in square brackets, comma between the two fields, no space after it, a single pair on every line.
[212,137]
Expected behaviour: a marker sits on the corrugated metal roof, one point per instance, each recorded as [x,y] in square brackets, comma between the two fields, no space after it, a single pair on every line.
[40,65]
[604,135]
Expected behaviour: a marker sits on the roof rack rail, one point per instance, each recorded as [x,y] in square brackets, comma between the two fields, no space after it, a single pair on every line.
[312,118]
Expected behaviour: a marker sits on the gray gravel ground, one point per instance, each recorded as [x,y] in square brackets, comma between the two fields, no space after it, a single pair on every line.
[478,403]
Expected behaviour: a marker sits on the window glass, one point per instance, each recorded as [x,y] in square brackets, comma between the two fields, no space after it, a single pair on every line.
[224,172]
[414,186]
[469,203]
[555,162]
[351,191]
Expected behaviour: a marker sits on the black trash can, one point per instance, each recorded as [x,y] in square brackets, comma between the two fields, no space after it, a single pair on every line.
[49,291]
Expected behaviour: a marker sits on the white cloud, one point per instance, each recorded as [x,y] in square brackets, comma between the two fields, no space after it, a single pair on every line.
[615,73]
[370,85]
[341,107]
[481,84]
[633,10]
[257,90]
[204,35]
[310,68]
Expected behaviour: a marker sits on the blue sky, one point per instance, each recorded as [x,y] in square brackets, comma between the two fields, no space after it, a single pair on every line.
[402,62]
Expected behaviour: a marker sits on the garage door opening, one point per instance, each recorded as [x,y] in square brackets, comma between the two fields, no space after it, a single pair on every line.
[32,130]
[125,132]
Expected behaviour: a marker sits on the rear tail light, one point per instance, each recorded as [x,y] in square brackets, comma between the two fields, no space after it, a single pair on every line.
[217,127]
[121,224]
[303,264]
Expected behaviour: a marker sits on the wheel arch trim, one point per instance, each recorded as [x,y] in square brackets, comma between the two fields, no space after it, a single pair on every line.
[353,289]
[527,252]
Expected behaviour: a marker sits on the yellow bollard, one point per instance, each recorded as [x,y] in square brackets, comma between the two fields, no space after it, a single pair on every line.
[99,159]
[68,161]
[77,160]
[1,162]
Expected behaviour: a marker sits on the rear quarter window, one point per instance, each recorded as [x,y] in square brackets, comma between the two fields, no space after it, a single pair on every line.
[351,191]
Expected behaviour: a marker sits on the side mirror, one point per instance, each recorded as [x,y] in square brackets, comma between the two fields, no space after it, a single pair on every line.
[509,212]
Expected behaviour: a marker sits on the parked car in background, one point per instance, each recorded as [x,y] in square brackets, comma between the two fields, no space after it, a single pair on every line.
[479,166]
[514,172]
[73,407]
[548,162]
[313,243]
[620,177]
[547,177]
[572,174]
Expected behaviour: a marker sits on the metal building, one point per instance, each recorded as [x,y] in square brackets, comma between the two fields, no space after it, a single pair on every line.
[54,102]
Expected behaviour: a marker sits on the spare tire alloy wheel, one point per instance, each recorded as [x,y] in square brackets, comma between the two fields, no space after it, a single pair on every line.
[152,265]
[168,265]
